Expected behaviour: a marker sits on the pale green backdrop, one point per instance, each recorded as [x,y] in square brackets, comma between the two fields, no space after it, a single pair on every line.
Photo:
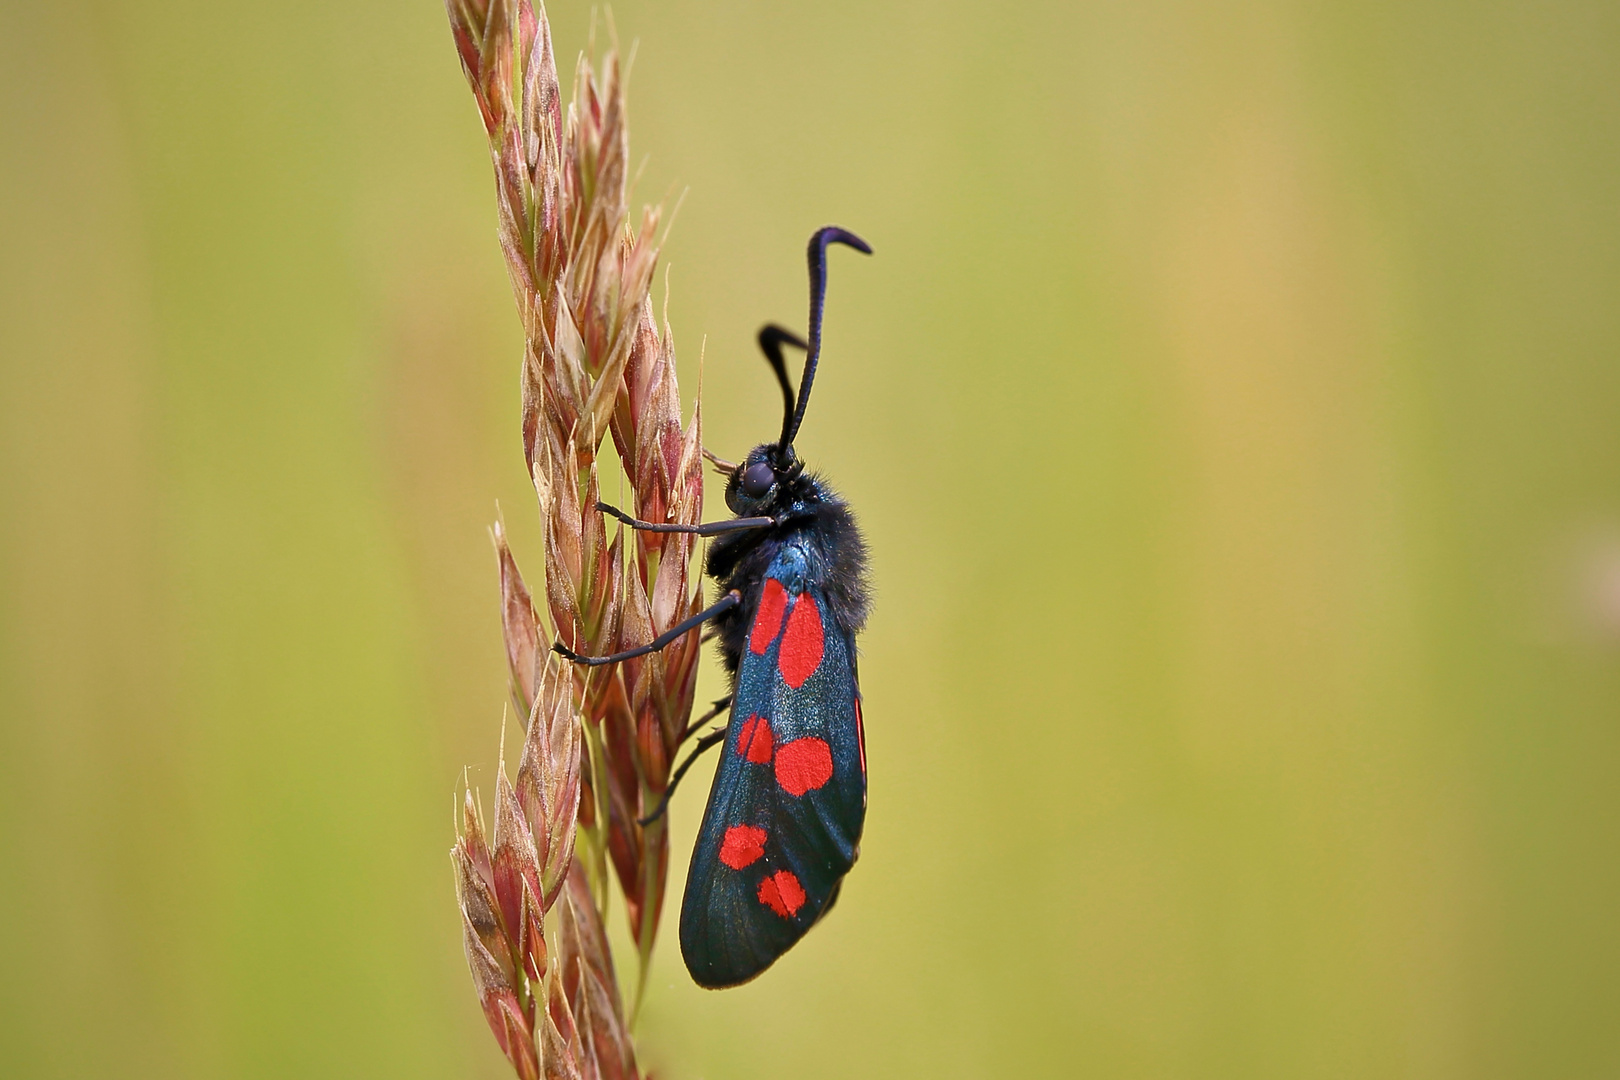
[1233,403]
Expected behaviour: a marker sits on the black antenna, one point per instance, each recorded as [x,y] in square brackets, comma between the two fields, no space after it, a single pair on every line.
[771,340]
[818,298]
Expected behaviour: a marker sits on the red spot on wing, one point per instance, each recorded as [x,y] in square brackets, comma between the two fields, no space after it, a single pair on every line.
[803,765]
[755,741]
[768,619]
[782,893]
[860,734]
[743,846]
[802,644]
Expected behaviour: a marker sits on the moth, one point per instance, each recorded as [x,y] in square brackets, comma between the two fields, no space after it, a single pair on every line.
[784,817]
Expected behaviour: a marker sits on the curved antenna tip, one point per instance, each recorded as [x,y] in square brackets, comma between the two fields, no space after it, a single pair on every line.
[771,334]
[832,234]
[771,340]
[819,243]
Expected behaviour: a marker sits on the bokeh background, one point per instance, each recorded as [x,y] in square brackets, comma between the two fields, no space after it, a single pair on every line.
[1233,405]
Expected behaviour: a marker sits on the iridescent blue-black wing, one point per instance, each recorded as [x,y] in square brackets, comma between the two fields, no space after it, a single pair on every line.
[783,824]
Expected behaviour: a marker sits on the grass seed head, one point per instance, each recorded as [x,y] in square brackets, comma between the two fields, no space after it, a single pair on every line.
[598,744]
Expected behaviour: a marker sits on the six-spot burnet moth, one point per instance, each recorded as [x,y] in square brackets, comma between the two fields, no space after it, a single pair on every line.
[783,824]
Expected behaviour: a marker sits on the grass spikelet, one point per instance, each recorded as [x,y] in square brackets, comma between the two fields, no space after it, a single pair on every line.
[598,744]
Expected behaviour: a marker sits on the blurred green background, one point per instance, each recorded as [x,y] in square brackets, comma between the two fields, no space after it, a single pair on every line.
[1233,405]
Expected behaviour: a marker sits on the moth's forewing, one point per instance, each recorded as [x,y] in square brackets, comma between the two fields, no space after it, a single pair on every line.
[784,818]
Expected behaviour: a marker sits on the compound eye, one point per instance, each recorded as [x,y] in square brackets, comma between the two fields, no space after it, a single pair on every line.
[757,480]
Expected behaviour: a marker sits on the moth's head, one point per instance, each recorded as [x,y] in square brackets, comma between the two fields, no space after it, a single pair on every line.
[765,482]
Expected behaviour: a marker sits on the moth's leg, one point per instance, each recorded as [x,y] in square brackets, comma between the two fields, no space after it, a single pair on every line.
[712,528]
[725,604]
[713,738]
[719,707]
